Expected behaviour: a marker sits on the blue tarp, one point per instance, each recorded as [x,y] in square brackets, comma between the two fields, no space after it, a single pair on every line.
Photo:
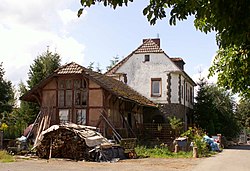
[210,141]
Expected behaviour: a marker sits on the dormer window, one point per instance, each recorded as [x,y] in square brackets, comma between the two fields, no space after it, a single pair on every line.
[146,58]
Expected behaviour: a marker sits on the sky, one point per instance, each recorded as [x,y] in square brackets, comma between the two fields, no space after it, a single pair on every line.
[28,28]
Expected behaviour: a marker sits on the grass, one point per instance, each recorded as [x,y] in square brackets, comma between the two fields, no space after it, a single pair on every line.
[160,152]
[5,157]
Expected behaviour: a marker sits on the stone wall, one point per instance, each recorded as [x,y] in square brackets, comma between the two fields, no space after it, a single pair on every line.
[166,110]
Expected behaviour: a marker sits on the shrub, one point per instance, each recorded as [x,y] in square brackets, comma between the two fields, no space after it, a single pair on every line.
[195,135]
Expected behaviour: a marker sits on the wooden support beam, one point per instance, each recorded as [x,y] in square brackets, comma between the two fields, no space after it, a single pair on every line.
[133,106]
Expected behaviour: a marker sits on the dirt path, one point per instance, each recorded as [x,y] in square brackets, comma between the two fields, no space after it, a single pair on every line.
[234,159]
[124,165]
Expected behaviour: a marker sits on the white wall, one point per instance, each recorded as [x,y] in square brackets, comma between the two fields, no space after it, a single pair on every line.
[139,73]
[174,88]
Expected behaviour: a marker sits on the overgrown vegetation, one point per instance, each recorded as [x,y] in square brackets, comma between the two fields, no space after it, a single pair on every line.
[176,124]
[5,157]
[160,152]
[196,135]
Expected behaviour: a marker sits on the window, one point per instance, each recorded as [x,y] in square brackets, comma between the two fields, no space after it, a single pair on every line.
[72,100]
[186,92]
[146,58]
[81,116]
[191,95]
[80,92]
[156,87]
[64,116]
[182,91]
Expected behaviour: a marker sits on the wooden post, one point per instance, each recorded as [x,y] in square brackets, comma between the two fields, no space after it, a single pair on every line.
[176,148]
[1,139]
[50,149]
[219,137]
[195,152]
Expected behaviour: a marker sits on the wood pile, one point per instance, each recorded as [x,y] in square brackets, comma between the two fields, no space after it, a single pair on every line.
[80,142]
[63,143]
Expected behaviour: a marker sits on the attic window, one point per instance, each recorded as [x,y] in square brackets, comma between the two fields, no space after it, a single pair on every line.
[146,58]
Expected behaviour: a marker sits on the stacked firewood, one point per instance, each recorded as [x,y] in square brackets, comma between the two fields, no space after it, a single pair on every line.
[63,143]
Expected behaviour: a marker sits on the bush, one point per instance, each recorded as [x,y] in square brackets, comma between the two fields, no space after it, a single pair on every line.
[195,135]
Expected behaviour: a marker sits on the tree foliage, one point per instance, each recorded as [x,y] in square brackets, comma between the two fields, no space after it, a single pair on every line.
[7,103]
[243,112]
[6,93]
[229,18]
[91,65]
[113,62]
[43,66]
[176,124]
[214,110]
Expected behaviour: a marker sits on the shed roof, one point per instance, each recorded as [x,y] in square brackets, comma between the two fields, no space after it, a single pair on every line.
[113,86]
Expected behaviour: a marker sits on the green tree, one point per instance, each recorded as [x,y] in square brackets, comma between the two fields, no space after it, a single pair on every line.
[98,68]
[27,110]
[113,62]
[214,110]
[243,112]
[6,93]
[43,66]
[91,66]
[230,19]
[7,103]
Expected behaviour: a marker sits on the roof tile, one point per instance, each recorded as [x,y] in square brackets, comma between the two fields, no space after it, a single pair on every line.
[149,46]
[115,87]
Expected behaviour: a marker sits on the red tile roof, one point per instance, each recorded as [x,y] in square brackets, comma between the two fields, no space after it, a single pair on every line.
[148,46]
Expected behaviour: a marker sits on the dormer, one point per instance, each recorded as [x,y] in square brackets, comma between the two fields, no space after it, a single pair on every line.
[179,62]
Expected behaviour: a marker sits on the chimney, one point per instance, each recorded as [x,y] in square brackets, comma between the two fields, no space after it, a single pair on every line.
[156,40]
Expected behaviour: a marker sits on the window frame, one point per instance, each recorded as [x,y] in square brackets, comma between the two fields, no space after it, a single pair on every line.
[153,94]
[66,99]
[146,58]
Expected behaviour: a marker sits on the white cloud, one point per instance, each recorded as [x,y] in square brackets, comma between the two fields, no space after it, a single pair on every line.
[26,29]
[68,16]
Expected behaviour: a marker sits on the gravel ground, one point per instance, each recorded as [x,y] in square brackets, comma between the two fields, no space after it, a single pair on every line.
[123,165]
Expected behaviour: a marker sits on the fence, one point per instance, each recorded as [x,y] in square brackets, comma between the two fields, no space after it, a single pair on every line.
[162,133]
[1,139]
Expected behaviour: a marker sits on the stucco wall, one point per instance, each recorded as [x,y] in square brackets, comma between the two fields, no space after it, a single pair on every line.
[139,73]
[174,88]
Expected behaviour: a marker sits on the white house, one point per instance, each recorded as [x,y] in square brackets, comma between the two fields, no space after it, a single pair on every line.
[161,79]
